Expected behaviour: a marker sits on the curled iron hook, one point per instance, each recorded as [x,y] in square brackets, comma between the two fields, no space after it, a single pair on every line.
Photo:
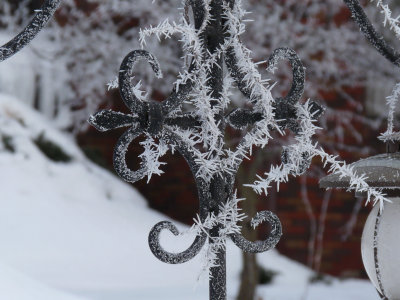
[125,85]
[120,151]
[173,258]
[260,246]
[375,38]
[39,21]
[285,109]
[297,88]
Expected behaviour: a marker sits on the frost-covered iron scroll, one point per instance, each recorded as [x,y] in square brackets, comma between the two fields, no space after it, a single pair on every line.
[385,49]
[39,21]
[193,118]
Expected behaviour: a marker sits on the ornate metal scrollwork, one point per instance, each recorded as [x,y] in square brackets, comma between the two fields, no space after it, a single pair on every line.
[155,119]
[39,21]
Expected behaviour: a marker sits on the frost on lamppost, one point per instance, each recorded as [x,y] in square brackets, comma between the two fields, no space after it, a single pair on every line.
[198,133]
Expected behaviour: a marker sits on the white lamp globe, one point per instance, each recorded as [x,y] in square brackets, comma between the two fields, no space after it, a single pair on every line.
[380,245]
[380,249]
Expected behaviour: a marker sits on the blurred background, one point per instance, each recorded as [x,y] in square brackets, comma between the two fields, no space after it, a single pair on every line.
[70,229]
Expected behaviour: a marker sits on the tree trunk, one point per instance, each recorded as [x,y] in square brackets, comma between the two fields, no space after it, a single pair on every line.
[250,272]
[249,277]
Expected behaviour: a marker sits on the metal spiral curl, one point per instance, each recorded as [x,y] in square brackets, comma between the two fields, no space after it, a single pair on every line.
[38,22]
[120,151]
[299,74]
[285,109]
[125,84]
[265,245]
[148,117]
[200,240]
[173,258]
[375,38]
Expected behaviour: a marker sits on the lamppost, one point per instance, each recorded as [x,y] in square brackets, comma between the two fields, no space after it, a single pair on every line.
[214,50]
[380,244]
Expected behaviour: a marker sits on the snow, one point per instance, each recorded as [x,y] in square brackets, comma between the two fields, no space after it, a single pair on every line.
[16,286]
[78,229]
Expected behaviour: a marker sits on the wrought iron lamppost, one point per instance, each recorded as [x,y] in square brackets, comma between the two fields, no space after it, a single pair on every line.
[158,120]
[380,243]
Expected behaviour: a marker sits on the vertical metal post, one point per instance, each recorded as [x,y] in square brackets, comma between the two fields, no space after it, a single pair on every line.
[218,274]
[214,38]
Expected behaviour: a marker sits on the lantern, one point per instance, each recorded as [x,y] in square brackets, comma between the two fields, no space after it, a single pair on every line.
[380,244]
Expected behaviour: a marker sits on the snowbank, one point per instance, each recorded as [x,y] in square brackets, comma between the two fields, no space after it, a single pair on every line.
[16,286]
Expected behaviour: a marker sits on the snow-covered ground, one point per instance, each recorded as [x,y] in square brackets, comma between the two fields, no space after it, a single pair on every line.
[71,230]
[16,286]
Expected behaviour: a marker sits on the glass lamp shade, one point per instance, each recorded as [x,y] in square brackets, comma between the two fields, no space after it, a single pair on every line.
[380,248]
[380,245]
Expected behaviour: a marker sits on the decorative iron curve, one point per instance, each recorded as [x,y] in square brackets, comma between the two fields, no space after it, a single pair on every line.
[261,246]
[38,22]
[173,258]
[375,38]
